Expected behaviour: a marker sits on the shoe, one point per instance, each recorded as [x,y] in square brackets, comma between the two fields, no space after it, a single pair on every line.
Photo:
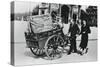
[69,53]
[78,51]
[81,53]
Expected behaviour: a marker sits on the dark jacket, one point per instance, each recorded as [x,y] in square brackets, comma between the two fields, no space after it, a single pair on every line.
[85,29]
[74,29]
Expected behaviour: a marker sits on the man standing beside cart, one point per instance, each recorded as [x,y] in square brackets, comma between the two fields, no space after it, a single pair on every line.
[73,32]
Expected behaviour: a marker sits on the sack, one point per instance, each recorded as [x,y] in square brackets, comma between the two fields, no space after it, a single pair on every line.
[41,23]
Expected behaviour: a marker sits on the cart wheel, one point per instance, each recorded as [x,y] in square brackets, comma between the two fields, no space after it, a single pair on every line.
[37,51]
[54,47]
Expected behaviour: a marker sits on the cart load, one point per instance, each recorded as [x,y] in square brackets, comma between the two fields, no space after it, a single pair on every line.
[41,23]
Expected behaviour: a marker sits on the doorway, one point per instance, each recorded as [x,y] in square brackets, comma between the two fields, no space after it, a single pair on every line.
[65,13]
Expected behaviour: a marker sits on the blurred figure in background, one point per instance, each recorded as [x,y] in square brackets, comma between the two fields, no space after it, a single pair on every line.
[53,15]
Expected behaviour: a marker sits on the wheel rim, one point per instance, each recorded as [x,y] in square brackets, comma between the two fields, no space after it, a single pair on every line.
[54,47]
[37,51]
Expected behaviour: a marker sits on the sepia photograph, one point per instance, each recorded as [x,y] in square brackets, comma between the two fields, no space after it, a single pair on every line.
[51,33]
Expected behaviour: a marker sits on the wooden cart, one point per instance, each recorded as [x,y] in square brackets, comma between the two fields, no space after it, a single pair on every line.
[49,43]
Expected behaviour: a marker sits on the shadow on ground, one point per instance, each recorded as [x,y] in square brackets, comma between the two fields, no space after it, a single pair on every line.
[29,54]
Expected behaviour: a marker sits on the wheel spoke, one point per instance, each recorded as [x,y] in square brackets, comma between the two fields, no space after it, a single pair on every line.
[57,39]
[54,39]
[34,49]
[50,51]
[37,51]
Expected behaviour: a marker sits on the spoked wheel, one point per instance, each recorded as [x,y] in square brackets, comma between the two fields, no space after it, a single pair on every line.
[37,51]
[54,47]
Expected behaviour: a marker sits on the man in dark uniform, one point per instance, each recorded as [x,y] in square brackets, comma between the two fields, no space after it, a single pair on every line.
[73,31]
